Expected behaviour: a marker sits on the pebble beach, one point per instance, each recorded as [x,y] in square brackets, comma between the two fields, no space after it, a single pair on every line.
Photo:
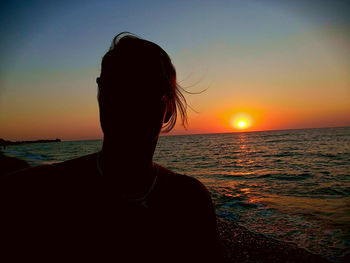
[242,245]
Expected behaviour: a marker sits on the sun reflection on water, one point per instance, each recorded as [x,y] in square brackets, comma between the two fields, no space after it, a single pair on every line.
[242,142]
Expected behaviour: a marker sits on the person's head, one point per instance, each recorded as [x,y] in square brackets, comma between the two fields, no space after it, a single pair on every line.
[137,90]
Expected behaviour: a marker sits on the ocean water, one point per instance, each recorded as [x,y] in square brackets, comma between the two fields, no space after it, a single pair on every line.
[291,185]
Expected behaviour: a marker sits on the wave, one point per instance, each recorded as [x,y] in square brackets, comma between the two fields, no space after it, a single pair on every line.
[323,192]
[291,177]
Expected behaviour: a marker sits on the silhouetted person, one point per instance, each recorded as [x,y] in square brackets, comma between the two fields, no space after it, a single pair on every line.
[117,205]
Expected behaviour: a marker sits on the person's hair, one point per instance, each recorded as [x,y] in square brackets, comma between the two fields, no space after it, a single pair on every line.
[129,47]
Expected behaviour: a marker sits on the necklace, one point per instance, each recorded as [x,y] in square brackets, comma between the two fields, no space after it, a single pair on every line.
[140,200]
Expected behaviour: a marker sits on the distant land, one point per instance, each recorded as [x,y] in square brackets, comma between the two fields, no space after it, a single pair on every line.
[4,142]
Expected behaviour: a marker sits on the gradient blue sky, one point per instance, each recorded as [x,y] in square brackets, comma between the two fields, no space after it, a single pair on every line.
[261,57]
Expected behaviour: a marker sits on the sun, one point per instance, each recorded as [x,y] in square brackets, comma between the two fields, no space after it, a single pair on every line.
[242,124]
[241,121]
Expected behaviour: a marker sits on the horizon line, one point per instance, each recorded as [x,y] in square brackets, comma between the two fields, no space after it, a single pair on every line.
[209,133]
[204,133]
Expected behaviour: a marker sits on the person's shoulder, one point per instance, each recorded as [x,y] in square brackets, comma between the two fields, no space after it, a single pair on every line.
[81,164]
[26,173]
[76,171]
[22,184]
[59,178]
[182,184]
[75,167]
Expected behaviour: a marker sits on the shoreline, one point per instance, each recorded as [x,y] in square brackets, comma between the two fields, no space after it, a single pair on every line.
[238,243]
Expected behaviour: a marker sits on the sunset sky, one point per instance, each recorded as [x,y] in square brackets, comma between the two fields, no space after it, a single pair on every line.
[274,65]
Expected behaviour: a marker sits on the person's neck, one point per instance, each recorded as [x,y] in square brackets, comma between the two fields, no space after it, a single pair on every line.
[132,171]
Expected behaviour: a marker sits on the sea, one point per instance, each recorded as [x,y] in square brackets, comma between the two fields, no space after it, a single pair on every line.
[290,185]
